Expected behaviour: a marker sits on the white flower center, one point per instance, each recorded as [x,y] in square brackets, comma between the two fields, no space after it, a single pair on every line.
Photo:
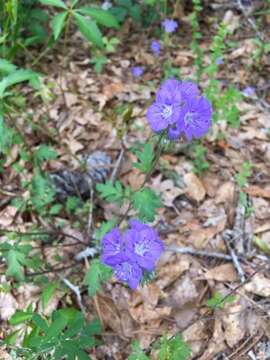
[141,248]
[166,111]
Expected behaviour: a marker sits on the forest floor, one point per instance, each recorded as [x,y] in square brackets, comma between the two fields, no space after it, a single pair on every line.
[201,212]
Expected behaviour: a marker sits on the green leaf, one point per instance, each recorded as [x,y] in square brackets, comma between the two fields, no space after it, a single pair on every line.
[20,317]
[137,352]
[89,29]
[58,23]
[56,326]
[57,3]
[172,349]
[218,301]
[15,260]
[101,16]
[44,153]
[104,228]
[42,192]
[179,349]
[16,77]
[146,202]
[96,275]
[7,67]
[146,158]
[111,192]
[47,294]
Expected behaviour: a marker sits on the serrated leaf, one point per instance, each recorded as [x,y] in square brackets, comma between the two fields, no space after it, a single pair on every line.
[111,192]
[96,275]
[89,30]
[47,294]
[15,260]
[58,23]
[179,349]
[44,153]
[146,157]
[146,201]
[101,16]
[137,352]
[218,301]
[57,3]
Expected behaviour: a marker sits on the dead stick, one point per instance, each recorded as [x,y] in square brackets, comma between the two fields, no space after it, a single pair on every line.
[190,251]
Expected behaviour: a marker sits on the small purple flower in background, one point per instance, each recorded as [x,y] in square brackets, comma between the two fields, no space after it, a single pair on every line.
[155,47]
[133,252]
[137,71]
[180,109]
[249,91]
[169,25]
[219,61]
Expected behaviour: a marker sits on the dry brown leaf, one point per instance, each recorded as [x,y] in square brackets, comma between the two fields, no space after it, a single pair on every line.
[225,272]
[196,335]
[194,187]
[234,321]
[261,208]
[8,306]
[259,285]
[7,215]
[108,312]
[184,291]
[169,273]
[217,343]
[167,190]
[145,313]
[225,193]
[254,190]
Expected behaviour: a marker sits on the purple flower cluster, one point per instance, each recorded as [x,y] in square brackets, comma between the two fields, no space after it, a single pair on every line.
[169,25]
[180,109]
[133,252]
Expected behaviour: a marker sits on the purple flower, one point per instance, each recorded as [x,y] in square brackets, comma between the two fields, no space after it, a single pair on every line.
[195,118]
[133,252]
[165,111]
[169,25]
[249,91]
[143,244]
[155,47]
[180,109]
[113,248]
[137,71]
[129,272]
[219,61]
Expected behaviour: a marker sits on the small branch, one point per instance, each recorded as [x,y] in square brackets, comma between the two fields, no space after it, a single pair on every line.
[250,20]
[77,292]
[190,251]
[118,163]
[84,254]
[91,207]
[227,238]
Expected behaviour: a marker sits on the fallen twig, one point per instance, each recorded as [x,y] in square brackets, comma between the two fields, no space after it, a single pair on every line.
[227,236]
[191,251]
[76,291]
[88,252]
